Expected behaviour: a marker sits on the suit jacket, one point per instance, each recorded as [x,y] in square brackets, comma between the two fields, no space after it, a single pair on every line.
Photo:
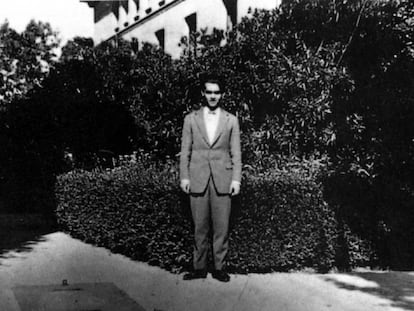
[199,159]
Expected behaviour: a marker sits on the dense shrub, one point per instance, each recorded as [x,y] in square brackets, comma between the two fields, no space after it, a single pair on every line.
[32,156]
[280,222]
[283,224]
[131,209]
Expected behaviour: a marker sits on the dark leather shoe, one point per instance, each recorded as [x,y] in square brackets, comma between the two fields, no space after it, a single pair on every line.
[220,275]
[195,274]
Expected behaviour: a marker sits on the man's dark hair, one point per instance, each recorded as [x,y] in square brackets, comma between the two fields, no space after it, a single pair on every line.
[212,78]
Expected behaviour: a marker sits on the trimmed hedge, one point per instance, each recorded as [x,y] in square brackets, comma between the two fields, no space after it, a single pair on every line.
[284,224]
[280,222]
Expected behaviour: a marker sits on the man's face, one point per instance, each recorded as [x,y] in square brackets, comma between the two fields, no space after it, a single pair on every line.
[212,94]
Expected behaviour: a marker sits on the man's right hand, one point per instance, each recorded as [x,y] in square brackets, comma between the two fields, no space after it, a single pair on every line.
[185,185]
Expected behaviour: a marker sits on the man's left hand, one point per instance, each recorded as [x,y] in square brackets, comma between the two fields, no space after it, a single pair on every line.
[234,188]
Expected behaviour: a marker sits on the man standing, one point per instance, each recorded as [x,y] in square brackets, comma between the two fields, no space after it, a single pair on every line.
[210,172]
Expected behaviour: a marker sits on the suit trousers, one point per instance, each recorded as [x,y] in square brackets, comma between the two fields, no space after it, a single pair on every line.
[210,207]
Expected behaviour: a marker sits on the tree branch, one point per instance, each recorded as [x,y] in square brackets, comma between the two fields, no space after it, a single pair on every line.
[351,37]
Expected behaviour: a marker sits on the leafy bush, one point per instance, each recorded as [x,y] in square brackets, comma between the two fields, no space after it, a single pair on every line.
[279,223]
[133,209]
[284,224]
[32,156]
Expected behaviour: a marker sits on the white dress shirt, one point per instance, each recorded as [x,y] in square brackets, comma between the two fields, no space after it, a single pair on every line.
[211,119]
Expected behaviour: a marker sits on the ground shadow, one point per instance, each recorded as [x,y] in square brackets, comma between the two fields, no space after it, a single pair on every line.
[398,287]
[20,232]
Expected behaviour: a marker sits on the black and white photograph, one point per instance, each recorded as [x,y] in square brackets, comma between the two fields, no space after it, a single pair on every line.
[206,155]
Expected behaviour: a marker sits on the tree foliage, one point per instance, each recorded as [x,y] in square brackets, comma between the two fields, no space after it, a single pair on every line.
[26,156]
[86,93]
[25,58]
[372,154]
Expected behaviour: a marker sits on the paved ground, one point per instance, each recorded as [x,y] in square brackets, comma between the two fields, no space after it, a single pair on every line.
[58,257]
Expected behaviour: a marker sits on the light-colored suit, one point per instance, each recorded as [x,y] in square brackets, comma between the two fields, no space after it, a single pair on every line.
[210,167]
[199,159]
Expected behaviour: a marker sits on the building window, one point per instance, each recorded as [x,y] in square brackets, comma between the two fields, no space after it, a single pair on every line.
[137,4]
[115,8]
[101,10]
[191,21]
[231,6]
[160,34]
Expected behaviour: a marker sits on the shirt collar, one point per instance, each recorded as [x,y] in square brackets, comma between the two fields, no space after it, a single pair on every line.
[206,110]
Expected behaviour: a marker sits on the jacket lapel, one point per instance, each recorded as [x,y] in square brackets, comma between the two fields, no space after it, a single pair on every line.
[199,120]
[221,125]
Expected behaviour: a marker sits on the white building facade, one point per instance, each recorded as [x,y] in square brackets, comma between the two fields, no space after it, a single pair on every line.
[166,22]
